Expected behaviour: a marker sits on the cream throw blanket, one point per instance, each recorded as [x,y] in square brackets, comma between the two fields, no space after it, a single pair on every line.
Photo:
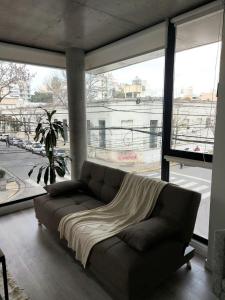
[135,201]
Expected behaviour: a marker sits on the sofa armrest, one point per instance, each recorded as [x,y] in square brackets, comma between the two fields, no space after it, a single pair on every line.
[218,264]
[144,235]
[65,188]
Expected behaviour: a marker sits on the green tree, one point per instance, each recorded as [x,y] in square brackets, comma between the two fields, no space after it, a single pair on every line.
[42,97]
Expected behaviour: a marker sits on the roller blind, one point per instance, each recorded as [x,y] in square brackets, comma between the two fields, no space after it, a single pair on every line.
[200,12]
[143,42]
[21,54]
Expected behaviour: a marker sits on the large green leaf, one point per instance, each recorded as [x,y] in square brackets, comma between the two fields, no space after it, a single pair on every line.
[62,132]
[31,171]
[52,113]
[38,131]
[61,161]
[52,175]
[40,173]
[60,171]
[46,175]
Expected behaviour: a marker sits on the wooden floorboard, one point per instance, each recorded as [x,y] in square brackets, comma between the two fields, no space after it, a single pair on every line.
[48,272]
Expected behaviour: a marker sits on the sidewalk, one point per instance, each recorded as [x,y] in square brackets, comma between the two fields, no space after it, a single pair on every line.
[12,189]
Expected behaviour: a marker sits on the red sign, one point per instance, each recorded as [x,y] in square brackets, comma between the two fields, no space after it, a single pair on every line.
[127,156]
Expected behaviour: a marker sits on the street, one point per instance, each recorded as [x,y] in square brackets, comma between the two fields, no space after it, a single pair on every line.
[17,162]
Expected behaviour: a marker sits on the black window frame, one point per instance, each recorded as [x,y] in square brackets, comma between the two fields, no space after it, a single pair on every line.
[168,110]
[168,116]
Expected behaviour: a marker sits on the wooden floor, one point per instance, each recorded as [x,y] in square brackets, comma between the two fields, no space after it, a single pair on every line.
[47,272]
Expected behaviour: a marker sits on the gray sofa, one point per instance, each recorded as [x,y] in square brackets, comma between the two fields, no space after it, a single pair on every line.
[131,264]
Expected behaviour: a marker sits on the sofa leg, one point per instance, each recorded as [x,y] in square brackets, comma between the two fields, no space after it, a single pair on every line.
[188,266]
[39,223]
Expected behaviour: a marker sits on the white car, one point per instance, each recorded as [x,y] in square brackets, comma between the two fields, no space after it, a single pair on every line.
[15,142]
[59,152]
[24,144]
[28,146]
[3,137]
[43,152]
[37,148]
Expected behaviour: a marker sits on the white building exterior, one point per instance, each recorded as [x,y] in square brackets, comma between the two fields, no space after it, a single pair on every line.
[129,130]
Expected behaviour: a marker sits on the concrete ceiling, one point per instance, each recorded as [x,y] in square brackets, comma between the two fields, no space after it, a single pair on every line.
[86,24]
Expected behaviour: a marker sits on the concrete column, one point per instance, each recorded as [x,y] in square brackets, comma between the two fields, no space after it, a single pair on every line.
[77,109]
[217,206]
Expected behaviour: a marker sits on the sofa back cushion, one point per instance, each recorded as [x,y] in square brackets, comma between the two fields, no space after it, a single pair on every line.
[102,181]
[179,206]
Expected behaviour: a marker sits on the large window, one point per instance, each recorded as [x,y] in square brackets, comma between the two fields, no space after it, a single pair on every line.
[124,115]
[196,73]
[24,91]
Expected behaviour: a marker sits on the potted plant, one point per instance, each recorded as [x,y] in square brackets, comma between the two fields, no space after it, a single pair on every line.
[3,180]
[47,133]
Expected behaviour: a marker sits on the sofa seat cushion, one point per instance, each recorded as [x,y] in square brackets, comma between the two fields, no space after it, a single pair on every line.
[144,235]
[91,204]
[50,210]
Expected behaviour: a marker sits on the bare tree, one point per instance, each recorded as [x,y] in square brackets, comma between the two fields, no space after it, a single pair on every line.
[11,74]
[57,85]
[98,86]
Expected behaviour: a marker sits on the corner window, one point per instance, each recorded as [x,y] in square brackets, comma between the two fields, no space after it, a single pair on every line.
[26,92]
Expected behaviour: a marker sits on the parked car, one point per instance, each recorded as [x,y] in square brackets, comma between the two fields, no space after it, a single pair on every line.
[15,141]
[28,146]
[59,152]
[43,152]
[37,148]
[3,137]
[11,140]
[24,144]
[19,143]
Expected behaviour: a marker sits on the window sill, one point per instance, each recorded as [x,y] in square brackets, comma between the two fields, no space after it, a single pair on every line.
[9,203]
[188,162]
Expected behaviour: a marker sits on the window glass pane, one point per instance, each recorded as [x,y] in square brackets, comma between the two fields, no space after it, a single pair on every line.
[197,62]
[199,180]
[124,115]
[25,90]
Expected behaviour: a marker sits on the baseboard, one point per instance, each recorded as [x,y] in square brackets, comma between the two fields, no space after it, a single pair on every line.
[200,248]
[208,265]
[5,210]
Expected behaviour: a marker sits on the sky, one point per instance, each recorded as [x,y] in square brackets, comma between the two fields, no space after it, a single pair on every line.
[197,68]
[41,75]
